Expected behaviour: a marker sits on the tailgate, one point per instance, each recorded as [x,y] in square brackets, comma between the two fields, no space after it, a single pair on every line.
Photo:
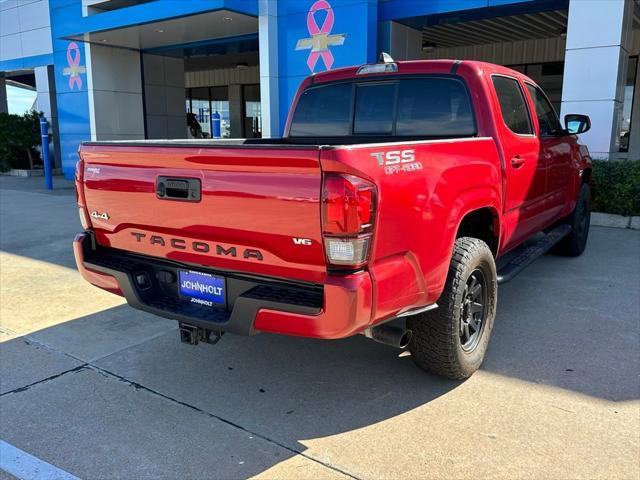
[258,209]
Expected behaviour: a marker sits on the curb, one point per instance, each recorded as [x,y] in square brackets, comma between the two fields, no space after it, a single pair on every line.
[36,172]
[614,221]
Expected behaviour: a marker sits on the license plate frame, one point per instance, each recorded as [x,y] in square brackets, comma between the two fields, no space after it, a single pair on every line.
[202,288]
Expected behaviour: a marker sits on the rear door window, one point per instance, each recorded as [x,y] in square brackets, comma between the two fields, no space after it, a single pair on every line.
[512,105]
[433,107]
[547,118]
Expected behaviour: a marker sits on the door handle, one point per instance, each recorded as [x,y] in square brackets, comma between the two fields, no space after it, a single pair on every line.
[517,161]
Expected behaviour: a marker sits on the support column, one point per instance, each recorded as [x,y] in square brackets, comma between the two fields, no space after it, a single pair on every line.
[71,79]
[400,41]
[236,117]
[4,108]
[269,78]
[164,96]
[309,36]
[46,103]
[115,93]
[595,69]
[634,134]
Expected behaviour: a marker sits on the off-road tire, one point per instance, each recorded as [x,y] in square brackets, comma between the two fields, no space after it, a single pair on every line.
[574,244]
[436,344]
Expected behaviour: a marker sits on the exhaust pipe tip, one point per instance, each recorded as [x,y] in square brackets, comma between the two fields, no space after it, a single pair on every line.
[405,339]
[389,335]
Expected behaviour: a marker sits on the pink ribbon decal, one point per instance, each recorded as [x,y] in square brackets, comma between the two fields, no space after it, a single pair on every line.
[74,69]
[320,39]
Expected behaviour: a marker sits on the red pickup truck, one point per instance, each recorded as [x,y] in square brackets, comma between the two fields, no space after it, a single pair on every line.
[400,196]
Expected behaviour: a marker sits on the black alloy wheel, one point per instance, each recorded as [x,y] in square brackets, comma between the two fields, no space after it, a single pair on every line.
[473,313]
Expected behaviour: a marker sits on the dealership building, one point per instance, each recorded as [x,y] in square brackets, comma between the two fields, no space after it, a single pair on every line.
[132,69]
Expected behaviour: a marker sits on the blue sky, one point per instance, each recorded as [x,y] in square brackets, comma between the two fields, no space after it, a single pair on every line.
[19,100]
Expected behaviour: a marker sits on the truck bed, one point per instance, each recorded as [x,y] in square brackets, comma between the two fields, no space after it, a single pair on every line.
[291,142]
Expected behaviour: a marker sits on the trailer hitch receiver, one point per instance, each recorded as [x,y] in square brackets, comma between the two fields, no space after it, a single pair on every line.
[193,334]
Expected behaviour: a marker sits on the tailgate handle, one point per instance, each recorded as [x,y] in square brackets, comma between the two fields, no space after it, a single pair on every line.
[178,188]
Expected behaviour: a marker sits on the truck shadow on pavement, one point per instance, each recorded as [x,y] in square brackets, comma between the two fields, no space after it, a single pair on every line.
[288,391]
[272,389]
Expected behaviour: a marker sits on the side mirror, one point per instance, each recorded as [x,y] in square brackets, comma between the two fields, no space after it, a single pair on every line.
[576,123]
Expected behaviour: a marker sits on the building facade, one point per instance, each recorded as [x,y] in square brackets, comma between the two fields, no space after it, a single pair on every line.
[131,69]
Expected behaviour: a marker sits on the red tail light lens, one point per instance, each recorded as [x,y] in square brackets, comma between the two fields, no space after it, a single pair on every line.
[85,221]
[348,213]
[348,205]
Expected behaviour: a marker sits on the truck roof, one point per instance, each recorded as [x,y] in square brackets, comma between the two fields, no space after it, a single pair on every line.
[444,66]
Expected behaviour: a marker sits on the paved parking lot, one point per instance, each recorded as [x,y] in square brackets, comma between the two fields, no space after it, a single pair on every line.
[99,390]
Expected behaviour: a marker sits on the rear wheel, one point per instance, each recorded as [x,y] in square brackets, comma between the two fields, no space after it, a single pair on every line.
[574,244]
[452,340]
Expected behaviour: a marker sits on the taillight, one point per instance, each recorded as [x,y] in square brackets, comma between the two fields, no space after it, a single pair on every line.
[84,218]
[85,221]
[348,215]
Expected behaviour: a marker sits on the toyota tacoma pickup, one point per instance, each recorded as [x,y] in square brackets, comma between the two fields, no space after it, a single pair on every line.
[400,196]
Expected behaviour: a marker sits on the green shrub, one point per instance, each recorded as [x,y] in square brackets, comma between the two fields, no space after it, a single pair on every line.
[616,187]
[19,137]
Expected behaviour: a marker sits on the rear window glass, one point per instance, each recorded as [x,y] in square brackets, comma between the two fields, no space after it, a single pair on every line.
[374,109]
[420,107]
[439,107]
[323,112]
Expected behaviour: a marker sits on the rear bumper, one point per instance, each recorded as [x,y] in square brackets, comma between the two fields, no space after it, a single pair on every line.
[339,308]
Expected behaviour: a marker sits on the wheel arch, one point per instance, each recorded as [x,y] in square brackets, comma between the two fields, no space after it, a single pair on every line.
[460,209]
[482,223]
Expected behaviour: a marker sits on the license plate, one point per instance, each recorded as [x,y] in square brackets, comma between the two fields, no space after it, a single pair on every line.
[202,288]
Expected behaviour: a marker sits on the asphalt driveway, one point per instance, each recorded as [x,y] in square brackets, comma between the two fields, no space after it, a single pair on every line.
[99,390]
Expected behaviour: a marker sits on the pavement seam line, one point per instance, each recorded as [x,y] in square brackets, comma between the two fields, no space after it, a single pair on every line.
[8,331]
[221,419]
[44,380]
[141,342]
[86,366]
[42,194]
[90,361]
[28,340]
[90,365]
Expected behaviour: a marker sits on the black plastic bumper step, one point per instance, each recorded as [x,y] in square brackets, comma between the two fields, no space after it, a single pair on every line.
[523,256]
[150,284]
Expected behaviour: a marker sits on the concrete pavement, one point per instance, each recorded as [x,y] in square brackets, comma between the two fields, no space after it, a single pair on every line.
[103,391]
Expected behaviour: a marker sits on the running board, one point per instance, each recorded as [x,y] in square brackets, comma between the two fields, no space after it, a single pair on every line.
[525,255]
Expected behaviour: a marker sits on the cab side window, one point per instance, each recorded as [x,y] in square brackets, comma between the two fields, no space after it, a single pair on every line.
[512,105]
[547,118]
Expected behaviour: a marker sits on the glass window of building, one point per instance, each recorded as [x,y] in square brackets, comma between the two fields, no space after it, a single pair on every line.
[205,103]
[627,106]
[201,108]
[252,111]
[220,105]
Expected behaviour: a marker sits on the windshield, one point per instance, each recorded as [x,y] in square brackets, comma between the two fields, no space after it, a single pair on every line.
[415,107]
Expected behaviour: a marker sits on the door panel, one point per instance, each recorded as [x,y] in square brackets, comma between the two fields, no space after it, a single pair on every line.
[525,173]
[556,152]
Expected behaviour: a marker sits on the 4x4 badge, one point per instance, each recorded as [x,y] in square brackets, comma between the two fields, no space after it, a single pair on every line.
[103,216]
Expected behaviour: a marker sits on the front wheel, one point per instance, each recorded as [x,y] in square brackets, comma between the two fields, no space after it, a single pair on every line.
[451,341]
[575,242]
